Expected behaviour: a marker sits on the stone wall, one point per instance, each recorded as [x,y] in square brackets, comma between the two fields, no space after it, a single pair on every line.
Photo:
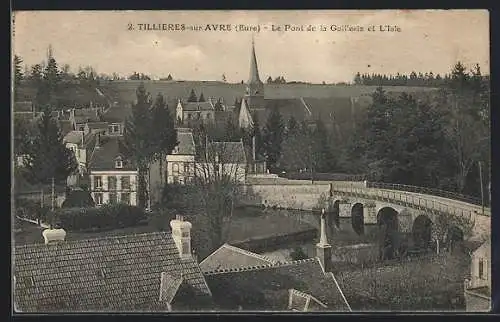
[289,196]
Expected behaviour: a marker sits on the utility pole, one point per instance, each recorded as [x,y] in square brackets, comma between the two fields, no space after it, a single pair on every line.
[482,189]
[53,193]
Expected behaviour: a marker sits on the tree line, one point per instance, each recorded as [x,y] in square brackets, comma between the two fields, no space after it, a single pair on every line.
[436,141]
[428,79]
[40,145]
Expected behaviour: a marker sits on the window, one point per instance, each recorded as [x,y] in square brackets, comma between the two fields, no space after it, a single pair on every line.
[112,183]
[98,182]
[98,198]
[118,163]
[116,128]
[186,169]
[189,116]
[81,128]
[175,169]
[125,198]
[112,198]
[481,269]
[125,183]
[208,115]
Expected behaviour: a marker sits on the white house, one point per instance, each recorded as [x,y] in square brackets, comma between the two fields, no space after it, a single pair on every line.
[478,285]
[181,162]
[195,112]
[113,177]
[223,159]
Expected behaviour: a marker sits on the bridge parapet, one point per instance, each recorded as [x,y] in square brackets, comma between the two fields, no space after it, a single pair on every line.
[469,215]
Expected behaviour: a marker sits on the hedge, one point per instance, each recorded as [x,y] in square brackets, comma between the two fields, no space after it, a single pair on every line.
[105,217]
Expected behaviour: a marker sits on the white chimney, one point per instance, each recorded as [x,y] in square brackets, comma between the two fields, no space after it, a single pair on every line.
[53,235]
[181,233]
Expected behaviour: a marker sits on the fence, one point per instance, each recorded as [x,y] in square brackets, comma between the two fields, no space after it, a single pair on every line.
[324,176]
[427,191]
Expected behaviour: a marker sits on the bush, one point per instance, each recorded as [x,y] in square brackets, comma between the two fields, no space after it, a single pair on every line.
[78,198]
[106,217]
[298,254]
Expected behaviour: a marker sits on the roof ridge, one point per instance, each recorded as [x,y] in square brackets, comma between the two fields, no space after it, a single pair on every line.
[247,252]
[304,294]
[97,238]
[259,267]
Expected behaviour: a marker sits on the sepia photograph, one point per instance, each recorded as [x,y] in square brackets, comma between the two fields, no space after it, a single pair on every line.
[250,161]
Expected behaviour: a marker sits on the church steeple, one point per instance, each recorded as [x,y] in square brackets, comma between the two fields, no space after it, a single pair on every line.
[255,88]
[254,70]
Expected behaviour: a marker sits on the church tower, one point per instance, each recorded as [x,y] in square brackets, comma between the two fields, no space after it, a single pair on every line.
[254,94]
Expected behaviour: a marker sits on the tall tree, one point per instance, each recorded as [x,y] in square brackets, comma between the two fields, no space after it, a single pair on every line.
[52,79]
[192,96]
[163,134]
[202,98]
[324,158]
[137,139]
[273,137]
[48,157]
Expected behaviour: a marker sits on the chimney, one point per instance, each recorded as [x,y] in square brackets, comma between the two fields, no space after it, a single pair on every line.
[53,235]
[181,233]
[323,249]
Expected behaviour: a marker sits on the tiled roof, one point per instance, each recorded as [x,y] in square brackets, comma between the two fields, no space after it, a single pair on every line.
[169,285]
[229,152]
[197,106]
[300,301]
[119,273]
[103,157]
[117,114]
[65,127]
[267,287]
[75,137]
[87,115]
[228,256]
[186,143]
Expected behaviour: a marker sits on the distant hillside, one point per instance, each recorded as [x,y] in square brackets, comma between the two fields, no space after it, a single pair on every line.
[125,90]
[68,94]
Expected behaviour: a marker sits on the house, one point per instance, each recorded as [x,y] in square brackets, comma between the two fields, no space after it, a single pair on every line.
[82,145]
[181,162]
[303,285]
[477,288]
[223,159]
[187,112]
[80,117]
[149,272]
[113,177]
[116,117]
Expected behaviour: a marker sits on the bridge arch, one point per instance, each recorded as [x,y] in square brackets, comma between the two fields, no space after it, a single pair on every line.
[357,218]
[454,236]
[422,231]
[388,229]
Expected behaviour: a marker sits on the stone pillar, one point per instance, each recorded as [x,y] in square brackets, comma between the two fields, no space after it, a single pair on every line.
[323,248]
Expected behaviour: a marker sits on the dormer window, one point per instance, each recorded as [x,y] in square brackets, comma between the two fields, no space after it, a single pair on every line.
[118,163]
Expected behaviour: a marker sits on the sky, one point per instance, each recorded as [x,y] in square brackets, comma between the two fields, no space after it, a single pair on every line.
[429,40]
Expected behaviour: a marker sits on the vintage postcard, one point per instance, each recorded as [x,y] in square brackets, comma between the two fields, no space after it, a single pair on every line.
[219,161]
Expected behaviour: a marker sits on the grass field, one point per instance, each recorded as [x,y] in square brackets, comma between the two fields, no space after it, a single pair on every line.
[181,89]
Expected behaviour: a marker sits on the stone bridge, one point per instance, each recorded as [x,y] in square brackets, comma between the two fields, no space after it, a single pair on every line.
[361,207]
